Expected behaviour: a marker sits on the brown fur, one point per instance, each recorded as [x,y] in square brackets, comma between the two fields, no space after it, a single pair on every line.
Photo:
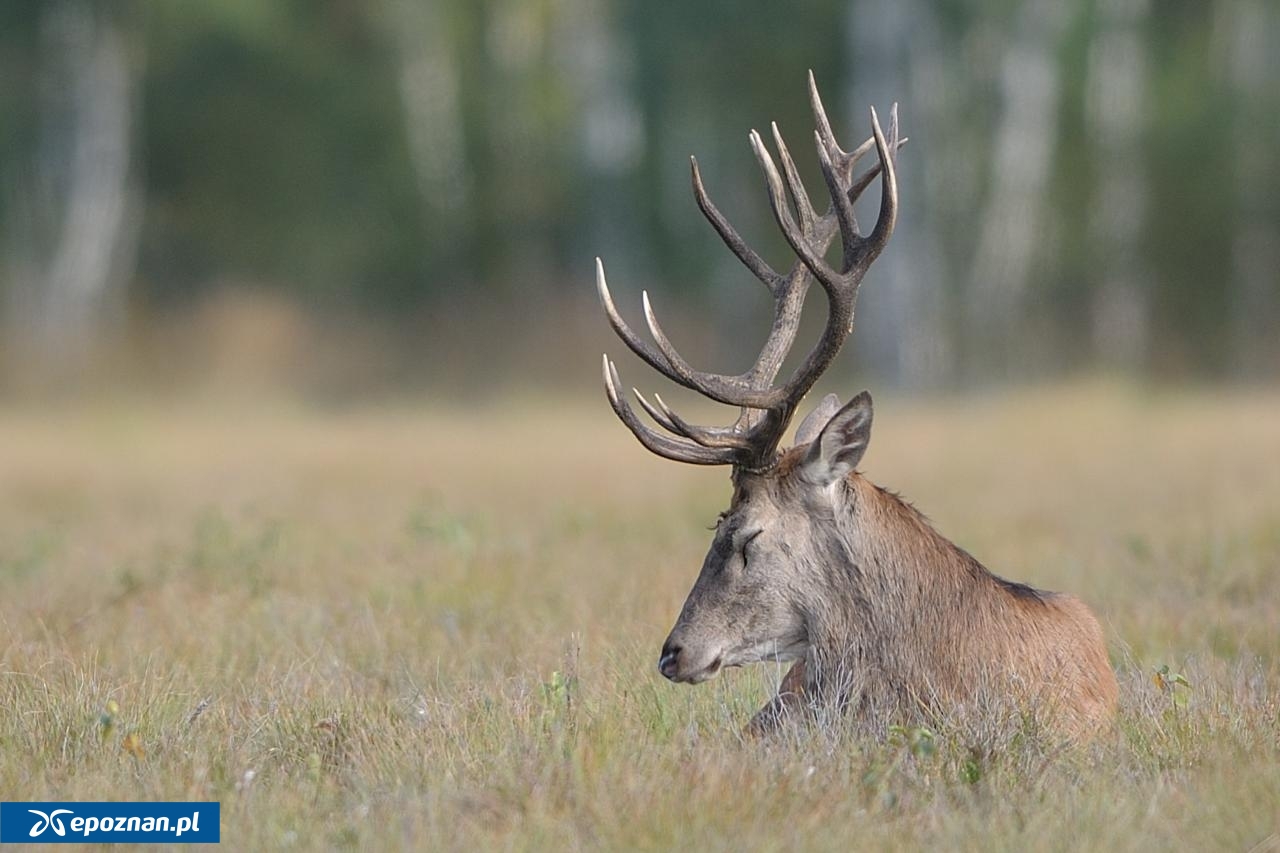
[898,623]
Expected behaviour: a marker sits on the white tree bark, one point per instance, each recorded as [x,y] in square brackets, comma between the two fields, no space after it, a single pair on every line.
[1014,219]
[894,46]
[1115,111]
[597,68]
[429,94]
[73,243]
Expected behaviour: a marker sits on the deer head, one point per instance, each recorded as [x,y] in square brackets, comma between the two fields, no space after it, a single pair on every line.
[762,580]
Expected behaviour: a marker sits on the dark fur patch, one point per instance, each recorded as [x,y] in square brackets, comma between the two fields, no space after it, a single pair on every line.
[1021,590]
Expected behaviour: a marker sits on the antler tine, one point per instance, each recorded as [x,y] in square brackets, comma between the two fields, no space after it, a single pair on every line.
[705,436]
[835,173]
[844,160]
[670,421]
[656,413]
[730,390]
[864,180]
[849,236]
[782,215]
[620,327]
[847,161]
[669,448]
[804,207]
[824,124]
[749,257]
[888,217]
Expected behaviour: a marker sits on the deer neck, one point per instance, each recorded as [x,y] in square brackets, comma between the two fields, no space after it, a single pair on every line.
[893,591]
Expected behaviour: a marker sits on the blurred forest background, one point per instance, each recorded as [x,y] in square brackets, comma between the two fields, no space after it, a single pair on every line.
[351,195]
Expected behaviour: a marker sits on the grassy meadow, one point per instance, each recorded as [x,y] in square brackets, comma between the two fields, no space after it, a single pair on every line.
[437,628]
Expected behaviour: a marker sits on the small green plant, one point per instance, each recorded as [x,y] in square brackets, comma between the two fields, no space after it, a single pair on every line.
[1174,685]
[433,524]
[557,697]
[919,740]
[107,720]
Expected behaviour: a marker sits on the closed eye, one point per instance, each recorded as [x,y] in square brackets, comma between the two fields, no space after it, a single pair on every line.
[747,539]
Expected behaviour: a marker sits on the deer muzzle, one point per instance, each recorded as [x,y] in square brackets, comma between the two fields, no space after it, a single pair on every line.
[678,663]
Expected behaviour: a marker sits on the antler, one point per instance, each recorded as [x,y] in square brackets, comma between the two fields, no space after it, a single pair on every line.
[752,441]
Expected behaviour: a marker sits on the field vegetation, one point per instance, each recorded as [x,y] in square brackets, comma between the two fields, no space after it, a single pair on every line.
[435,628]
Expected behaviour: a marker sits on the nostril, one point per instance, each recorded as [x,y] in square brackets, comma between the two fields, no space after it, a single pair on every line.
[667,662]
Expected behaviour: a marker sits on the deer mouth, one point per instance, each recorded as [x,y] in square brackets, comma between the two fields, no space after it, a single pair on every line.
[697,676]
[707,673]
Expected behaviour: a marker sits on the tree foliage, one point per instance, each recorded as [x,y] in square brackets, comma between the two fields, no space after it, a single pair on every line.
[393,154]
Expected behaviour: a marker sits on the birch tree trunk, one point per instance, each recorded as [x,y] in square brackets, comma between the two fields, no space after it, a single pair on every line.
[1014,219]
[1115,111]
[893,46]
[433,121]
[597,65]
[71,243]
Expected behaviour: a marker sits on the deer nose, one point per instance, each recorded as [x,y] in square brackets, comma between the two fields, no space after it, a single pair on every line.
[668,664]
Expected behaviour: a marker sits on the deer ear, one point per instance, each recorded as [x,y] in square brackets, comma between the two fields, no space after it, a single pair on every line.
[839,447]
[817,419]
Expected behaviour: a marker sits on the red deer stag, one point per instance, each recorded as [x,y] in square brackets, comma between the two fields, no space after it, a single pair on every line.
[886,619]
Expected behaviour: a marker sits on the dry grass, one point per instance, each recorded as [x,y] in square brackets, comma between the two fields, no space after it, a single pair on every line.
[434,629]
